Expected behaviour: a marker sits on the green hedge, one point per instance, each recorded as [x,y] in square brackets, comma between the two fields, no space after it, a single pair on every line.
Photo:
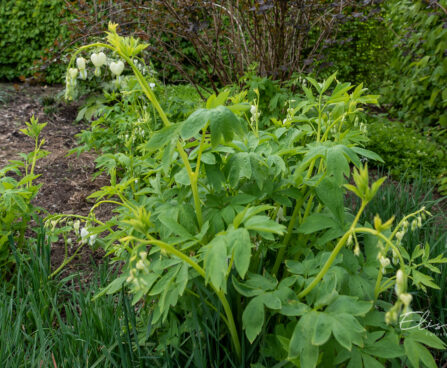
[418,70]
[27,29]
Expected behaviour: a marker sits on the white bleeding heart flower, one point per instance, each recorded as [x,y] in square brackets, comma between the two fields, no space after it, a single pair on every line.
[253,109]
[117,68]
[98,60]
[152,85]
[80,62]
[92,239]
[83,74]
[73,73]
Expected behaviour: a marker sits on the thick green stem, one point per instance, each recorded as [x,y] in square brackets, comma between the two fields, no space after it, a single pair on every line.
[292,223]
[333,255]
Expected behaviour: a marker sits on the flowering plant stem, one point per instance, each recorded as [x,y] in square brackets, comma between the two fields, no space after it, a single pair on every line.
[334,254]
[229,320]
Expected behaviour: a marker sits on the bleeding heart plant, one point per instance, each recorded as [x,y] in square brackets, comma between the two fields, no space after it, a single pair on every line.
[251,225]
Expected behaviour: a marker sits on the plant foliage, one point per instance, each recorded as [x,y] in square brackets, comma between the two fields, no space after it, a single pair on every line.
[250,223]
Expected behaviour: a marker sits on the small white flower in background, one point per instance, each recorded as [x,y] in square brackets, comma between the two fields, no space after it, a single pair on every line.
[140,265]
[76,225]
[92,239]
[152,85]
[253,109]
[117,67]
[84,235]
[98,61]
[384,262]
[80,62]
[400,235]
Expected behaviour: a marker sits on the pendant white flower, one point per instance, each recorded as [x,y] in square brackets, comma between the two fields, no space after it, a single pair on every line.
[117,67]
[84,235]
[80,62]
[98,61]
[152,85]
[73,73]
[92,239]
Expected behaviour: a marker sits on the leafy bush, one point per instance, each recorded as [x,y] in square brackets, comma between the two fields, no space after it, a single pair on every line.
[361,49]
[405,150]
[249,224]
[16,192]
[217,42]
[418,71]
[27,29]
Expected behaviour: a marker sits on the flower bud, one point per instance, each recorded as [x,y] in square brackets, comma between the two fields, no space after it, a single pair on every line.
[400,282]
[400,235]
[73,73]
[76,225]
[384,262]
[140,265]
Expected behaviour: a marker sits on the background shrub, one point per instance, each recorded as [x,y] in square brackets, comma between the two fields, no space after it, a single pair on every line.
[216,42]
[417,72]
[27,30]
[405,150]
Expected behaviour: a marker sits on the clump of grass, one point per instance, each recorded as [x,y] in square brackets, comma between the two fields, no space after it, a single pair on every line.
[54,323]
[399,198]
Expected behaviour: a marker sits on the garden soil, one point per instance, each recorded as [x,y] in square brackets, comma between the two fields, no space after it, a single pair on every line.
[66,180]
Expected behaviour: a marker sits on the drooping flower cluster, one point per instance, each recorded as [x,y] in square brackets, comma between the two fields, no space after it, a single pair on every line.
[403,298]
[98,60]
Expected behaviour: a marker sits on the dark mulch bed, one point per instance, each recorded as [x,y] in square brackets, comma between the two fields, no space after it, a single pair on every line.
[66,181]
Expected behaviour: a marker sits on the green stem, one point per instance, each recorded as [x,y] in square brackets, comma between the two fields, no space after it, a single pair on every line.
[230,319]
[333,255]
[283,249]
[66,261]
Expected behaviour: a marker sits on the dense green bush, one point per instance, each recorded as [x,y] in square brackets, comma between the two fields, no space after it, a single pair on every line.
[405,150]
[27,28]
[361,48]
[418,71]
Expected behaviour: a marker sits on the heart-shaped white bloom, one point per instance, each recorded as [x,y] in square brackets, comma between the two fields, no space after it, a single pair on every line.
[117,68]
[73,73]
[80,62]
[152,85]
[406,298]
[84,233]
[253,109]
[98,60]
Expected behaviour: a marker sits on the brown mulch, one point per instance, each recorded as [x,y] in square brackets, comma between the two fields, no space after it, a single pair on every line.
[66,181]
